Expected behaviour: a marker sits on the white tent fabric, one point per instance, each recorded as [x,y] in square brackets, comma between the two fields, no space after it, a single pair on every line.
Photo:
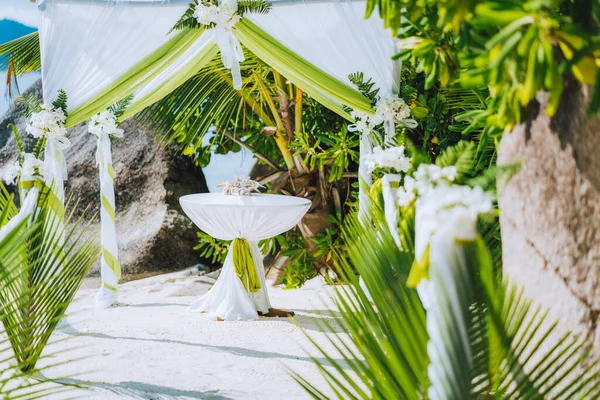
[86,46]
[335,37]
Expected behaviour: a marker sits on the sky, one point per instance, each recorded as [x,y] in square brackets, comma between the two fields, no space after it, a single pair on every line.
[21,11]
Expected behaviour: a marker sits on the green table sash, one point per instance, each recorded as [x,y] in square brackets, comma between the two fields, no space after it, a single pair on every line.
[244,265]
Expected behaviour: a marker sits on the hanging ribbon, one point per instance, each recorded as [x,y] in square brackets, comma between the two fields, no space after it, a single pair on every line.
[244,265]
[389,187]
[104,126]
[221,19]
[55,164]
[231,53]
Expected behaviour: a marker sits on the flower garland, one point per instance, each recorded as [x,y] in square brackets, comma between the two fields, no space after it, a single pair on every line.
[222,17]
[389,110]
[30,169]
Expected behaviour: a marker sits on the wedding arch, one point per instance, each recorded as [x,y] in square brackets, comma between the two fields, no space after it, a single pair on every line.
[101,51]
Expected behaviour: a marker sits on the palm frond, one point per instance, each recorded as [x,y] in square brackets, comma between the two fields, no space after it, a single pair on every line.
[23,52]
[385,321]
[461,156]
[509,351]
[208,99]
[19,57]
[40,280]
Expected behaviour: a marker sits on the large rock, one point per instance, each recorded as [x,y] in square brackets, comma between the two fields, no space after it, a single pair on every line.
[154,235]
[550,211]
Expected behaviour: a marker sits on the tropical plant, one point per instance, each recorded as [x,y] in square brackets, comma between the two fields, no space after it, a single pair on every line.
[41,279]
[14,382]
[386,353]
[306,148]
[505,50]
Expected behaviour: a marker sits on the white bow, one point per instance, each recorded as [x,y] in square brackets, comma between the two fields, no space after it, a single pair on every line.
[231,53]
[55,163]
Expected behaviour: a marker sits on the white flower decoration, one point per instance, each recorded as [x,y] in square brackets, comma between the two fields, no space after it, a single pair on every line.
[392,108]
[426,178]
[224,14]
[392,158]
[47,122]
[31,168]
[105,123]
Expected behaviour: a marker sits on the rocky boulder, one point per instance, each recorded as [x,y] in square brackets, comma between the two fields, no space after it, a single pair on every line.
[154,234]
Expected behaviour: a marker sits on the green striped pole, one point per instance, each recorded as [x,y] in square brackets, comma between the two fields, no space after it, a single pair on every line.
[110,268]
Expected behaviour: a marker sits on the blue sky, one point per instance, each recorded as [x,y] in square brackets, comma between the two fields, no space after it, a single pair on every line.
[22,11]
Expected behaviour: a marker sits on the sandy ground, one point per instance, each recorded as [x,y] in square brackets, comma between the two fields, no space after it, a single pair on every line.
[155,349]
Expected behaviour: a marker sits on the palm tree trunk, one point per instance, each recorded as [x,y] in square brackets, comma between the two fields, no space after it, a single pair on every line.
[550,210]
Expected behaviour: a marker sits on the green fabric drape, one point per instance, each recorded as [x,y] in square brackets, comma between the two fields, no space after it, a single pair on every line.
[140,74]
[196,64]
[323,87]
[244,265]
[318,84]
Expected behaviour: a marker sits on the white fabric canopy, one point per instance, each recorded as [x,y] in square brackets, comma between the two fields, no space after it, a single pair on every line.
[335,37]
[252,218]
[86,46]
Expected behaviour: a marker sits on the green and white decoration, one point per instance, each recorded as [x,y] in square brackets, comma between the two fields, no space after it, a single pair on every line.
[104,127]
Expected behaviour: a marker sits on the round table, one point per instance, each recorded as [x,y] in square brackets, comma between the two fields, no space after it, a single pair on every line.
[253,218]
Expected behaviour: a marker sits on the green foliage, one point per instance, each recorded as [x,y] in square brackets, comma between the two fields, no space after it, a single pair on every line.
[212,249]
[19,57]
[19,142]
[301,266]
[385,356]
[41,279]
[15,383]
[366,87]
[120,106]
[31,104]
[338,150]
[510,49]
[61,102]
[461,156]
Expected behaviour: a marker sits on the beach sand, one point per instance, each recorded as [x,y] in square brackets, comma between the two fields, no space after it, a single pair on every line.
[154,348]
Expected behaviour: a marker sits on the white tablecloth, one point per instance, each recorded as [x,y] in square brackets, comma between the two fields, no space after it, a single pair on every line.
[252,218]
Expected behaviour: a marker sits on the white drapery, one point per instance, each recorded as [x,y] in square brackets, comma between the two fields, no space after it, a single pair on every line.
[87,46]
[252,218]
[335,37]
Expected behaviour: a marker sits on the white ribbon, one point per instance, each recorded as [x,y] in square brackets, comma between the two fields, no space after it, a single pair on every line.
[231,53]
[55,164]
[389,204]
[103,127]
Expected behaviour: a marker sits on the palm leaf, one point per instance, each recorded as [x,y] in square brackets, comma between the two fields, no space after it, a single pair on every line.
[511,350]
[209,99]
[40,280]
[385,322]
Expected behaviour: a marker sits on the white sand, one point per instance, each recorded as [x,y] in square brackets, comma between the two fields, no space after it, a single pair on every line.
[156,349]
